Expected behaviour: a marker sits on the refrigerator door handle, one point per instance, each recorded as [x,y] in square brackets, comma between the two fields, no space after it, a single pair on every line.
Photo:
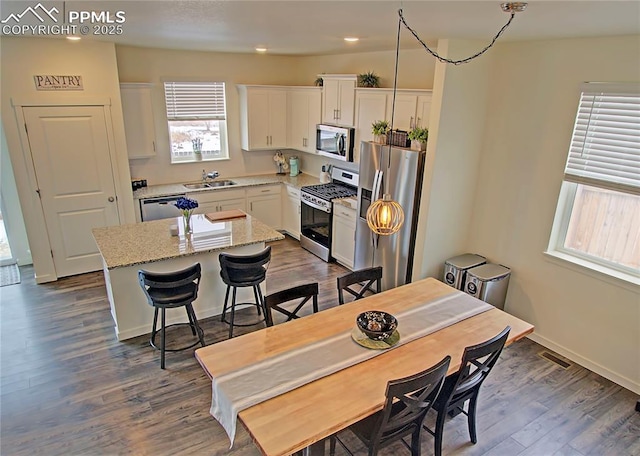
[375,195]
[374,186]
[377,181]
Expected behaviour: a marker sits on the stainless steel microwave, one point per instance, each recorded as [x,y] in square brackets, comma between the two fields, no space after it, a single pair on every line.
[335,142]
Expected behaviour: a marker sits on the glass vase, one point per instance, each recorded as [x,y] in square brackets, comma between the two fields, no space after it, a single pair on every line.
[186,220]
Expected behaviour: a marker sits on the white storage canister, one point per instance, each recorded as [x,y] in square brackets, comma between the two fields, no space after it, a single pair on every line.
[488,282]
[455,268]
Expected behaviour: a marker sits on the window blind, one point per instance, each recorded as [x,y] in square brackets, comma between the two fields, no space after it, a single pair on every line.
[195,100]
[605,145]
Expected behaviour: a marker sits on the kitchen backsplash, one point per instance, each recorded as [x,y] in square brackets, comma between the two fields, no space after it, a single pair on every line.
[240,164]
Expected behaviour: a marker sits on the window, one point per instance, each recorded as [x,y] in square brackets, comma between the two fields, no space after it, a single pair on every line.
[597,221]
[197,116]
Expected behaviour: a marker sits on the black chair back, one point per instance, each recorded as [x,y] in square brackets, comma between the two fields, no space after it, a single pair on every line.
[477,362]
[170,289]
[464,385]
[408,400]
[358,283]
[305,292]
[244,270]
[406,404]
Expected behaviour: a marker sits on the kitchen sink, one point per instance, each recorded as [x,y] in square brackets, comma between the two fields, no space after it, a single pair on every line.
[219,183]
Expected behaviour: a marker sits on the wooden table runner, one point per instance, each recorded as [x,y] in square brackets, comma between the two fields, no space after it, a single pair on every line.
[237,390]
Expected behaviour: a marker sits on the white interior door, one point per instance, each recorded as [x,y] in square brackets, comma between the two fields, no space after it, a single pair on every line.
[72,160]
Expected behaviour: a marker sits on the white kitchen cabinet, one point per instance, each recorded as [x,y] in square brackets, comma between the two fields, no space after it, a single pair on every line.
[137,111]
[219,200]
[412,108]
[371,106]
[304,112]
[343,241]
[291,211]
[423,110]
[338,99]
[263,117]
[264,203]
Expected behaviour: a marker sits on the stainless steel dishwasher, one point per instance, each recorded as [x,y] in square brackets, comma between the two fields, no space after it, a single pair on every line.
[159,208]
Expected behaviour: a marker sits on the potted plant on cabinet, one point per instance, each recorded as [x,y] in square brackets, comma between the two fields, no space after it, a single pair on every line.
[369,79]
[418,137]
[380,129]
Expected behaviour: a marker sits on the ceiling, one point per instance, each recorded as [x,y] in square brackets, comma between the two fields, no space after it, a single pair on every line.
[308,27]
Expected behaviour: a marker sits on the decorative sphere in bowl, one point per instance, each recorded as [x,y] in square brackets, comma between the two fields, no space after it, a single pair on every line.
[377,325]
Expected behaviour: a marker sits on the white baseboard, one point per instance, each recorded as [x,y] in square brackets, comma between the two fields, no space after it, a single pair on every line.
[45,278]
[584,362]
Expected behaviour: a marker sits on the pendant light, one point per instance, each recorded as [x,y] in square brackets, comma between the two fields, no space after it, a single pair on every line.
[385,216]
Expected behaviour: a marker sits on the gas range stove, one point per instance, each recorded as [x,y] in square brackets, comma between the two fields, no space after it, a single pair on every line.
[316,210]
[320,196]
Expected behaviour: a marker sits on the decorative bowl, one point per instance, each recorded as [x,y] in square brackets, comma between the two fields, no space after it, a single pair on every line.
[377,325]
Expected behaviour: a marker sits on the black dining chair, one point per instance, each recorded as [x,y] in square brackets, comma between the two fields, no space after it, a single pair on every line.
[464,385]
[166,290]
[275,301]
[359,283]
[407,402]
[239,271]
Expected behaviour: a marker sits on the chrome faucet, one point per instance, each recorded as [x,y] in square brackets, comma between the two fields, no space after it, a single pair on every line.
[212,175]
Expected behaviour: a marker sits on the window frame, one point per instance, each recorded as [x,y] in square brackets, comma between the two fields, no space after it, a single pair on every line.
[197,117]
[556,249]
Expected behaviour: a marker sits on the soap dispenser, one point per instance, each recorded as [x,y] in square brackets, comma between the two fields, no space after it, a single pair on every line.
[293,166]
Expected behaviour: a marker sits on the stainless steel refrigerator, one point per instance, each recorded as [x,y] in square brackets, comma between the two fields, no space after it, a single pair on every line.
[402,172]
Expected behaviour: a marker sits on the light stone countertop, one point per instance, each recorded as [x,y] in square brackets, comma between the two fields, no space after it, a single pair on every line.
[147,242]
[298,181]
[351,202]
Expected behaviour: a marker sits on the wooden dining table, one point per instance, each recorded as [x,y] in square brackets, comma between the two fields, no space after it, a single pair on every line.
[300,419]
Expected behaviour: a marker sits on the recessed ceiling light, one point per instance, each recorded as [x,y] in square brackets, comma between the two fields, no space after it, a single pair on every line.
[74,38]
[261,49]
[351,39]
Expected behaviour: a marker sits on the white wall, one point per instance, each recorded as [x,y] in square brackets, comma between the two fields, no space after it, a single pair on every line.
[534,92]
[456,131]
[155,65]
[415,67]
[21,59]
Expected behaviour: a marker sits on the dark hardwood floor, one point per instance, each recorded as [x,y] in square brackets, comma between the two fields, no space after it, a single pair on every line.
[68,387]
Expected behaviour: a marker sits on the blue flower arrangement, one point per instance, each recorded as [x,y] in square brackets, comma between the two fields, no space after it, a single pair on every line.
[186,206]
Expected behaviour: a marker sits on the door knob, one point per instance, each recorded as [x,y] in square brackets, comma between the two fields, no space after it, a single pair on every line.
[111,199]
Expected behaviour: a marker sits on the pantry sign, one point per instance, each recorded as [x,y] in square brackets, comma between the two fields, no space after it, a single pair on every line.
[58,82]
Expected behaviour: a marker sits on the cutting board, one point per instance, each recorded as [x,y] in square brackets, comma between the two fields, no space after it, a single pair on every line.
[225,215]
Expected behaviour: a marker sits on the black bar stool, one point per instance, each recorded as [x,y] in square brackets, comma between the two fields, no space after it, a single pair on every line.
[165,290]
[244,271]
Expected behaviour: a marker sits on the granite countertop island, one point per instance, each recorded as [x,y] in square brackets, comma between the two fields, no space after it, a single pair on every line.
[126,249]
[148,242]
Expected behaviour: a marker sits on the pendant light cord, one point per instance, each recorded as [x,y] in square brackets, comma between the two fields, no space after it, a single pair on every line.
[393,103]
[445,60]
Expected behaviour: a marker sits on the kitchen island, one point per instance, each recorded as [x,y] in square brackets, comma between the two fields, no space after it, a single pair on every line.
[149,245]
